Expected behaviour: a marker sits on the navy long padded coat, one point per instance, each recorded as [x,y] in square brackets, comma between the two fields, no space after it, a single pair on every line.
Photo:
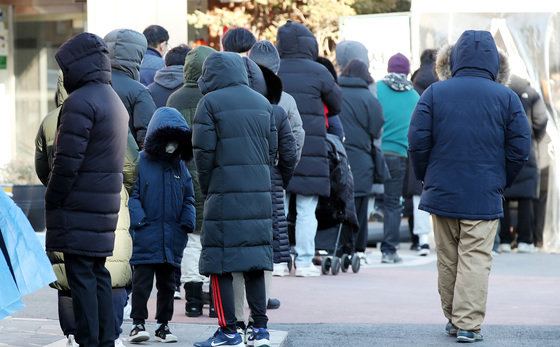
[268,84]
[311,85]
[126,49]
[235,142]
[83,195]
[162,203]
[527,183]
[469,136]
[362,118]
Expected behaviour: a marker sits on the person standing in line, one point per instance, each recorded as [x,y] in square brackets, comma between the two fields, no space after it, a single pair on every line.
[83,194]
[126,49]
[161,215]
[157,38]
[468,139]
[312,86]
[185,100]
[362,118]
[525,189]
[398,99]
[169,78]
[235,143]
[265,54]
[420,220]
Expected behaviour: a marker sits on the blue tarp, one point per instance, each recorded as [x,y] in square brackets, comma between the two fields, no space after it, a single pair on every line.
[31,267]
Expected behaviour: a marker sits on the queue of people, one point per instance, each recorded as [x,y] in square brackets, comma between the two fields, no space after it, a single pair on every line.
[180,165]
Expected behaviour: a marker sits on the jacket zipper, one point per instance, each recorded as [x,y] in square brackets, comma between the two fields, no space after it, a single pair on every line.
[163,216]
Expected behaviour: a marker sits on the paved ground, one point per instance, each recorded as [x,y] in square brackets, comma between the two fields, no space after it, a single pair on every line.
[381,305]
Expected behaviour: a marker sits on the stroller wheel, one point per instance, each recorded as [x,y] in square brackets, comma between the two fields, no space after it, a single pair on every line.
[346,262]
[355,263]
[326,265]
[335,268]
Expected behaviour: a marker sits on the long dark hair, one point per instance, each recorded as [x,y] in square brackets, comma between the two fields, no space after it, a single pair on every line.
[357,68]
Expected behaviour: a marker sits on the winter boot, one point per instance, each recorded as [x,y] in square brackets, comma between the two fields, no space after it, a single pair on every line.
[193,294]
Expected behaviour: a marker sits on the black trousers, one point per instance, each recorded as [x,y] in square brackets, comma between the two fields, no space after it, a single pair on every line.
[66,313]
[524,226]
[142,282]
[222,291]
[90,283]
[361,203]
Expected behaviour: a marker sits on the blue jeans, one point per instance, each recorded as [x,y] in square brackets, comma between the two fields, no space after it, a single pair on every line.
[392,203]
[306,228]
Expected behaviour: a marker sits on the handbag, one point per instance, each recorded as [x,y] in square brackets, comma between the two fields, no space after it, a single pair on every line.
[381,171]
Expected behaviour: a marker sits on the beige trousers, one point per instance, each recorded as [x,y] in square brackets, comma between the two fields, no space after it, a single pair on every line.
[239,293]
[464,259]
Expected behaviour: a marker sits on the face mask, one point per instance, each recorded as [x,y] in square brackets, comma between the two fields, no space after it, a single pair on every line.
[171,147]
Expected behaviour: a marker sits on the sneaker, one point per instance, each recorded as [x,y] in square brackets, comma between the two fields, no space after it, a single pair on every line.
[363,258]
[390,258]
[177,294]
[523,247]
[138,334]
[71,341]
[468,336]
[221,339]
[307,271]
[163,334]
[247,332]
[281,270]
[450,329]
[505,248]
[414,246]
[259,337]
[424,250]
[241,330]
[272,304]
[119,343]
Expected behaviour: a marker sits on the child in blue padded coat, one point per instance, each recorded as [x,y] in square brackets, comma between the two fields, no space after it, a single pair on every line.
[161,214]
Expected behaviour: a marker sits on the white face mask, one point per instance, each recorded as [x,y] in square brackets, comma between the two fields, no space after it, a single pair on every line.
[171,147]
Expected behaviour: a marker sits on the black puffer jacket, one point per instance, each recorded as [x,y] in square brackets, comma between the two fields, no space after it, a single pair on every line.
[235,142]
[268,84]
[84,192]
[126,49]
[526,185]
[311,85]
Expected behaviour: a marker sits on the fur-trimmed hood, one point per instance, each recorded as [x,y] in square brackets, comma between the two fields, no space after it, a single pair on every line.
[264,81]
[474,50]
[166,125]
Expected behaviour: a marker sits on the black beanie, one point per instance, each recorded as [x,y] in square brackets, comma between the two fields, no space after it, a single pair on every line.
[238,40]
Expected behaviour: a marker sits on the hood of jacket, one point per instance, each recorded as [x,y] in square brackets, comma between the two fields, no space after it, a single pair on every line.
[61,93]
[169,77]
[474,50]
[263,80]
[221,70]
[352,82]
[167,125]
[295,40]
[192,70]
[126,49]
[347,50]
[519,85]
[83,59]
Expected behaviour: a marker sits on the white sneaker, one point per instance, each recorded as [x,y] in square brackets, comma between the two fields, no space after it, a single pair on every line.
[177,294]
[71,341]
[424,250]
[308,271]
[281,270]
[523,247]
[505,248]
[119,343]
[363,258]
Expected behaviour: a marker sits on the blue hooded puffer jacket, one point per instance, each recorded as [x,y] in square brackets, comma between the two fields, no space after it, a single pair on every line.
[162,203]
[469,136]
[83,195]
[311,85]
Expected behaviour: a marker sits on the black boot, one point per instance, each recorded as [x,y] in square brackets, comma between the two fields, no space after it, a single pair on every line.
[193,294]
[211,310]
